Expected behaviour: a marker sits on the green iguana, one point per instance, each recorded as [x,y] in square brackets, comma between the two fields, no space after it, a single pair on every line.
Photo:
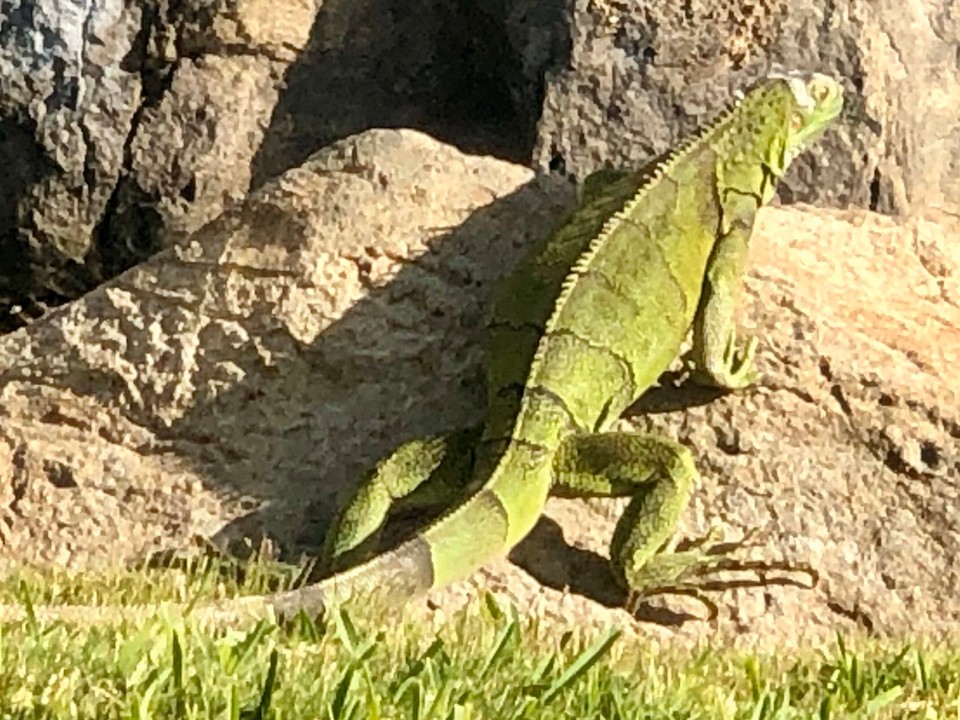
[583,326]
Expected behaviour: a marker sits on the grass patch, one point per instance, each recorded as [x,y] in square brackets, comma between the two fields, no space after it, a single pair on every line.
[485,662]
[182,579]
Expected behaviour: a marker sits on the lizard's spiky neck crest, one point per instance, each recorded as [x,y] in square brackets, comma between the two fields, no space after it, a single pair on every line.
[771,96]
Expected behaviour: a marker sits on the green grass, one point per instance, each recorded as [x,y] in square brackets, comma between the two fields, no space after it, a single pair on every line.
[485,662]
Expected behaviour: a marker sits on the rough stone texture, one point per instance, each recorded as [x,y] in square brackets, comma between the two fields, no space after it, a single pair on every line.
[131,123]
[273,355]
[641,75]
[125,125]
[61,137]
[234,383]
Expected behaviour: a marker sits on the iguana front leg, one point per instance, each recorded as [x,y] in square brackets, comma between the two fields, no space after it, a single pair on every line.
[715,357]
[424,472]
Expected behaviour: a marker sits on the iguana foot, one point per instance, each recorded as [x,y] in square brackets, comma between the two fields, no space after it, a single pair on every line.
[689,572]
[734,370]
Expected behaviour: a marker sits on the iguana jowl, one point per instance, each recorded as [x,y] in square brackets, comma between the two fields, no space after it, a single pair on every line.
[581,328]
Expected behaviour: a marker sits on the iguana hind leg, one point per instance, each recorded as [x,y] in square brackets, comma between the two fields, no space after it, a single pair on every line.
[659,475]
[424,472]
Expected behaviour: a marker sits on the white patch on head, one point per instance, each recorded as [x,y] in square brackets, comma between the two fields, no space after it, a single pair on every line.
[801,91]
[799,83]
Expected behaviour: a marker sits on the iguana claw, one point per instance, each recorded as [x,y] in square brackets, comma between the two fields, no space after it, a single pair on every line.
[735,370]
[694,565]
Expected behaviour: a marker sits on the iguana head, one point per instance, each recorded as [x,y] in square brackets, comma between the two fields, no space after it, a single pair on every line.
[771,124]
[818,100]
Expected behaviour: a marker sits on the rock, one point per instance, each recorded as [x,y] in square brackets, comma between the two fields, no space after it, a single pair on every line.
[235,382]
[126,126]
[268,358]
[640,76]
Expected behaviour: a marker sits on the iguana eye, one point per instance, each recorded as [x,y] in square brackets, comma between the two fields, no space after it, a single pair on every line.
[819,91]
[796,122]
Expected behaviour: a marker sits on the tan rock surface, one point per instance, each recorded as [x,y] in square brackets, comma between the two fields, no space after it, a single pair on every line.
[231,385]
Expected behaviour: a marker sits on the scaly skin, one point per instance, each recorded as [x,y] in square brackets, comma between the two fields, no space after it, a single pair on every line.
[585,325]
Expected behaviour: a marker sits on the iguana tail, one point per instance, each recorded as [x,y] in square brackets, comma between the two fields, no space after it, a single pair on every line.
[484,527]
